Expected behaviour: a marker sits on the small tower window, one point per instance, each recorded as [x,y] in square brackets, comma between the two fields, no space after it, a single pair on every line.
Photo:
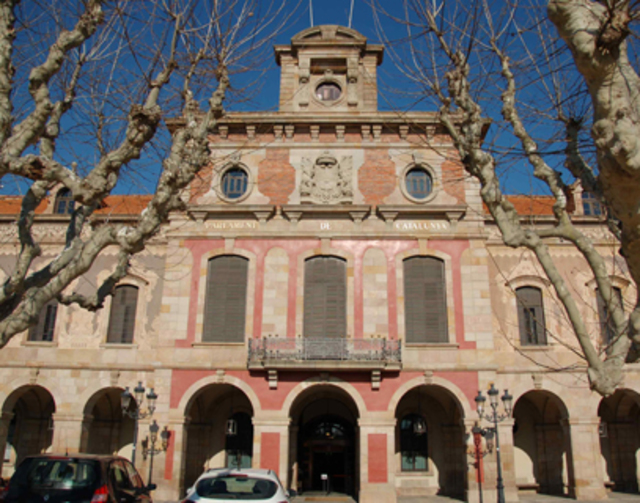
[328,91]
[64,202]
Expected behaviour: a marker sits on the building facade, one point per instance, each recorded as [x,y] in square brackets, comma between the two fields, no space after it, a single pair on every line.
[328,307]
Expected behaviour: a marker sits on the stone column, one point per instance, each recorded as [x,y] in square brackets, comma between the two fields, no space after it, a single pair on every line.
[377,466]
[179,426]
[293,457]
[5,421]
[271,445]
[67,433]
[586,477]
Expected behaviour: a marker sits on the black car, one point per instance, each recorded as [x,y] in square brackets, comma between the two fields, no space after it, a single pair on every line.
[82,478]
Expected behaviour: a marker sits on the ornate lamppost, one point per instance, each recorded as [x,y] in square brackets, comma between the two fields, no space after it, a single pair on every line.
[149,445]
[478,453]
[495,418]
[137,414]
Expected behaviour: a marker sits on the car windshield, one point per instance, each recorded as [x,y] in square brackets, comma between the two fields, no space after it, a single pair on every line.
[236,487]
[63,474]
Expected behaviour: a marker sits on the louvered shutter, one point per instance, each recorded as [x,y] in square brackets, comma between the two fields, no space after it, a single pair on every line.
[531,321]
[122,319]
[425,300]
[607,328]
[325,297]
[43,331]
[226,299]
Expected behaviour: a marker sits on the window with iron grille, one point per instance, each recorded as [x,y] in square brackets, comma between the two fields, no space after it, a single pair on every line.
[607,327]
[43,331]
[325,297]
[64,204]
[235,182]
[425,300]
[413,446]
[531,316]
[418,183]
[122,318]
[226,299]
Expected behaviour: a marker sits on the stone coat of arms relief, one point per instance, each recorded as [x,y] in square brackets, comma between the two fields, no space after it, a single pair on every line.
[326,181]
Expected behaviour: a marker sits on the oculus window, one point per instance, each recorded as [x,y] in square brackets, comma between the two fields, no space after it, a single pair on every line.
[328,91]
[234,183]
[418,183]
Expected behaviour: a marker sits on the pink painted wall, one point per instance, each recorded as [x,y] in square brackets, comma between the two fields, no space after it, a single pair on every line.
[377,458]
[270,451]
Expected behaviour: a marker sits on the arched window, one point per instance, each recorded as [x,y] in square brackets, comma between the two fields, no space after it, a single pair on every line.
[64,204]
[43,331]
[239,447]
[425,300]
[226,299]
[607,327]
[531,316]
[325,297]
[122,319]
[413,443]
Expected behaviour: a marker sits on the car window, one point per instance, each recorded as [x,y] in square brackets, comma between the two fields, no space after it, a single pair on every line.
[119,476]
[236,487]
[134,477]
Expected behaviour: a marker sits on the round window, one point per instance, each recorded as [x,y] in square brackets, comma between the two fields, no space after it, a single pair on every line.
[418,183]
[328,91]
[234,183]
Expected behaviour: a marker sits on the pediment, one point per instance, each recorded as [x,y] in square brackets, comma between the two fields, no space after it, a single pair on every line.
[328,33]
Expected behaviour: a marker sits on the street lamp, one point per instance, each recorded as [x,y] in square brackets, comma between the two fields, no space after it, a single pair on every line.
[495,418]
[149,445]
[137,414]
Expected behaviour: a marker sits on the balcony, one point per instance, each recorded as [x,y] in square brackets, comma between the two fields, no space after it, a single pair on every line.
[337,354]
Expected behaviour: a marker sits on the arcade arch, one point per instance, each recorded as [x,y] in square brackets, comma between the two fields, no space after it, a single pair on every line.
[620,439]
[324,440]
[105,429]
[542,446]
[30,430]
[209,440]
[429,443]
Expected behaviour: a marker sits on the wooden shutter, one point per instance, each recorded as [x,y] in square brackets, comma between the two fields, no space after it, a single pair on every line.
[425,300]
[325,297]
[607,328]
[531,316]
[122,319]
[226,299]
[43,331]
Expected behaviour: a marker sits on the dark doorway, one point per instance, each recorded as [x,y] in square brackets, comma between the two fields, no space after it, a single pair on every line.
[327,457]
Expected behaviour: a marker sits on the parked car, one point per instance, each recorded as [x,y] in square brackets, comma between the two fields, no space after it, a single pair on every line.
[226,485]
[82,478]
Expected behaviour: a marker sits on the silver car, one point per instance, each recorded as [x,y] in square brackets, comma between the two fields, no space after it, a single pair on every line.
[227,485]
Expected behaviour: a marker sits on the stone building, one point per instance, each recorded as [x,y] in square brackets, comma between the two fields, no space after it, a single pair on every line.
[330,304]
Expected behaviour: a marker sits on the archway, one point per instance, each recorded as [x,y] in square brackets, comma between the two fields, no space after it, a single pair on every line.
[429,445]
[30,431]
[620,439]
[324,440]
[219,431]
[106,429]
[541,443]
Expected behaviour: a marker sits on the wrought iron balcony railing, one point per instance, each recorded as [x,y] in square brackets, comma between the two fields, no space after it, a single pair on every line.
[301,352]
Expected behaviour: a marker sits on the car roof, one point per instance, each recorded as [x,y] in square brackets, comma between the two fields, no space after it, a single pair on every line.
[215,472]
[97,457]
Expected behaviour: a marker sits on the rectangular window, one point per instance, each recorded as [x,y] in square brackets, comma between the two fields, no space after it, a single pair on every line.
[122,318]
[43,331]
[607,327]
[531,316]
[325,297]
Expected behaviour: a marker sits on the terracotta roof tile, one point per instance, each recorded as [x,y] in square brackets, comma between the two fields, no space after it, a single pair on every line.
[531,205]
[113,205]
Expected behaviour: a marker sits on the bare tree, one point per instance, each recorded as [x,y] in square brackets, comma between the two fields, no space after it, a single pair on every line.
[84,88]
[483,59]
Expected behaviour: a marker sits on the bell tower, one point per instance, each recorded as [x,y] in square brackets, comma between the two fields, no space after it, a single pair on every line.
[328,69]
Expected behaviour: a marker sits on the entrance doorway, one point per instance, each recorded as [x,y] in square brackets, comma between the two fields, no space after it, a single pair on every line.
[324,442]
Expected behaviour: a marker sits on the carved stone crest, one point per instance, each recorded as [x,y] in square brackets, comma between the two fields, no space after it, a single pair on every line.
[326,181]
